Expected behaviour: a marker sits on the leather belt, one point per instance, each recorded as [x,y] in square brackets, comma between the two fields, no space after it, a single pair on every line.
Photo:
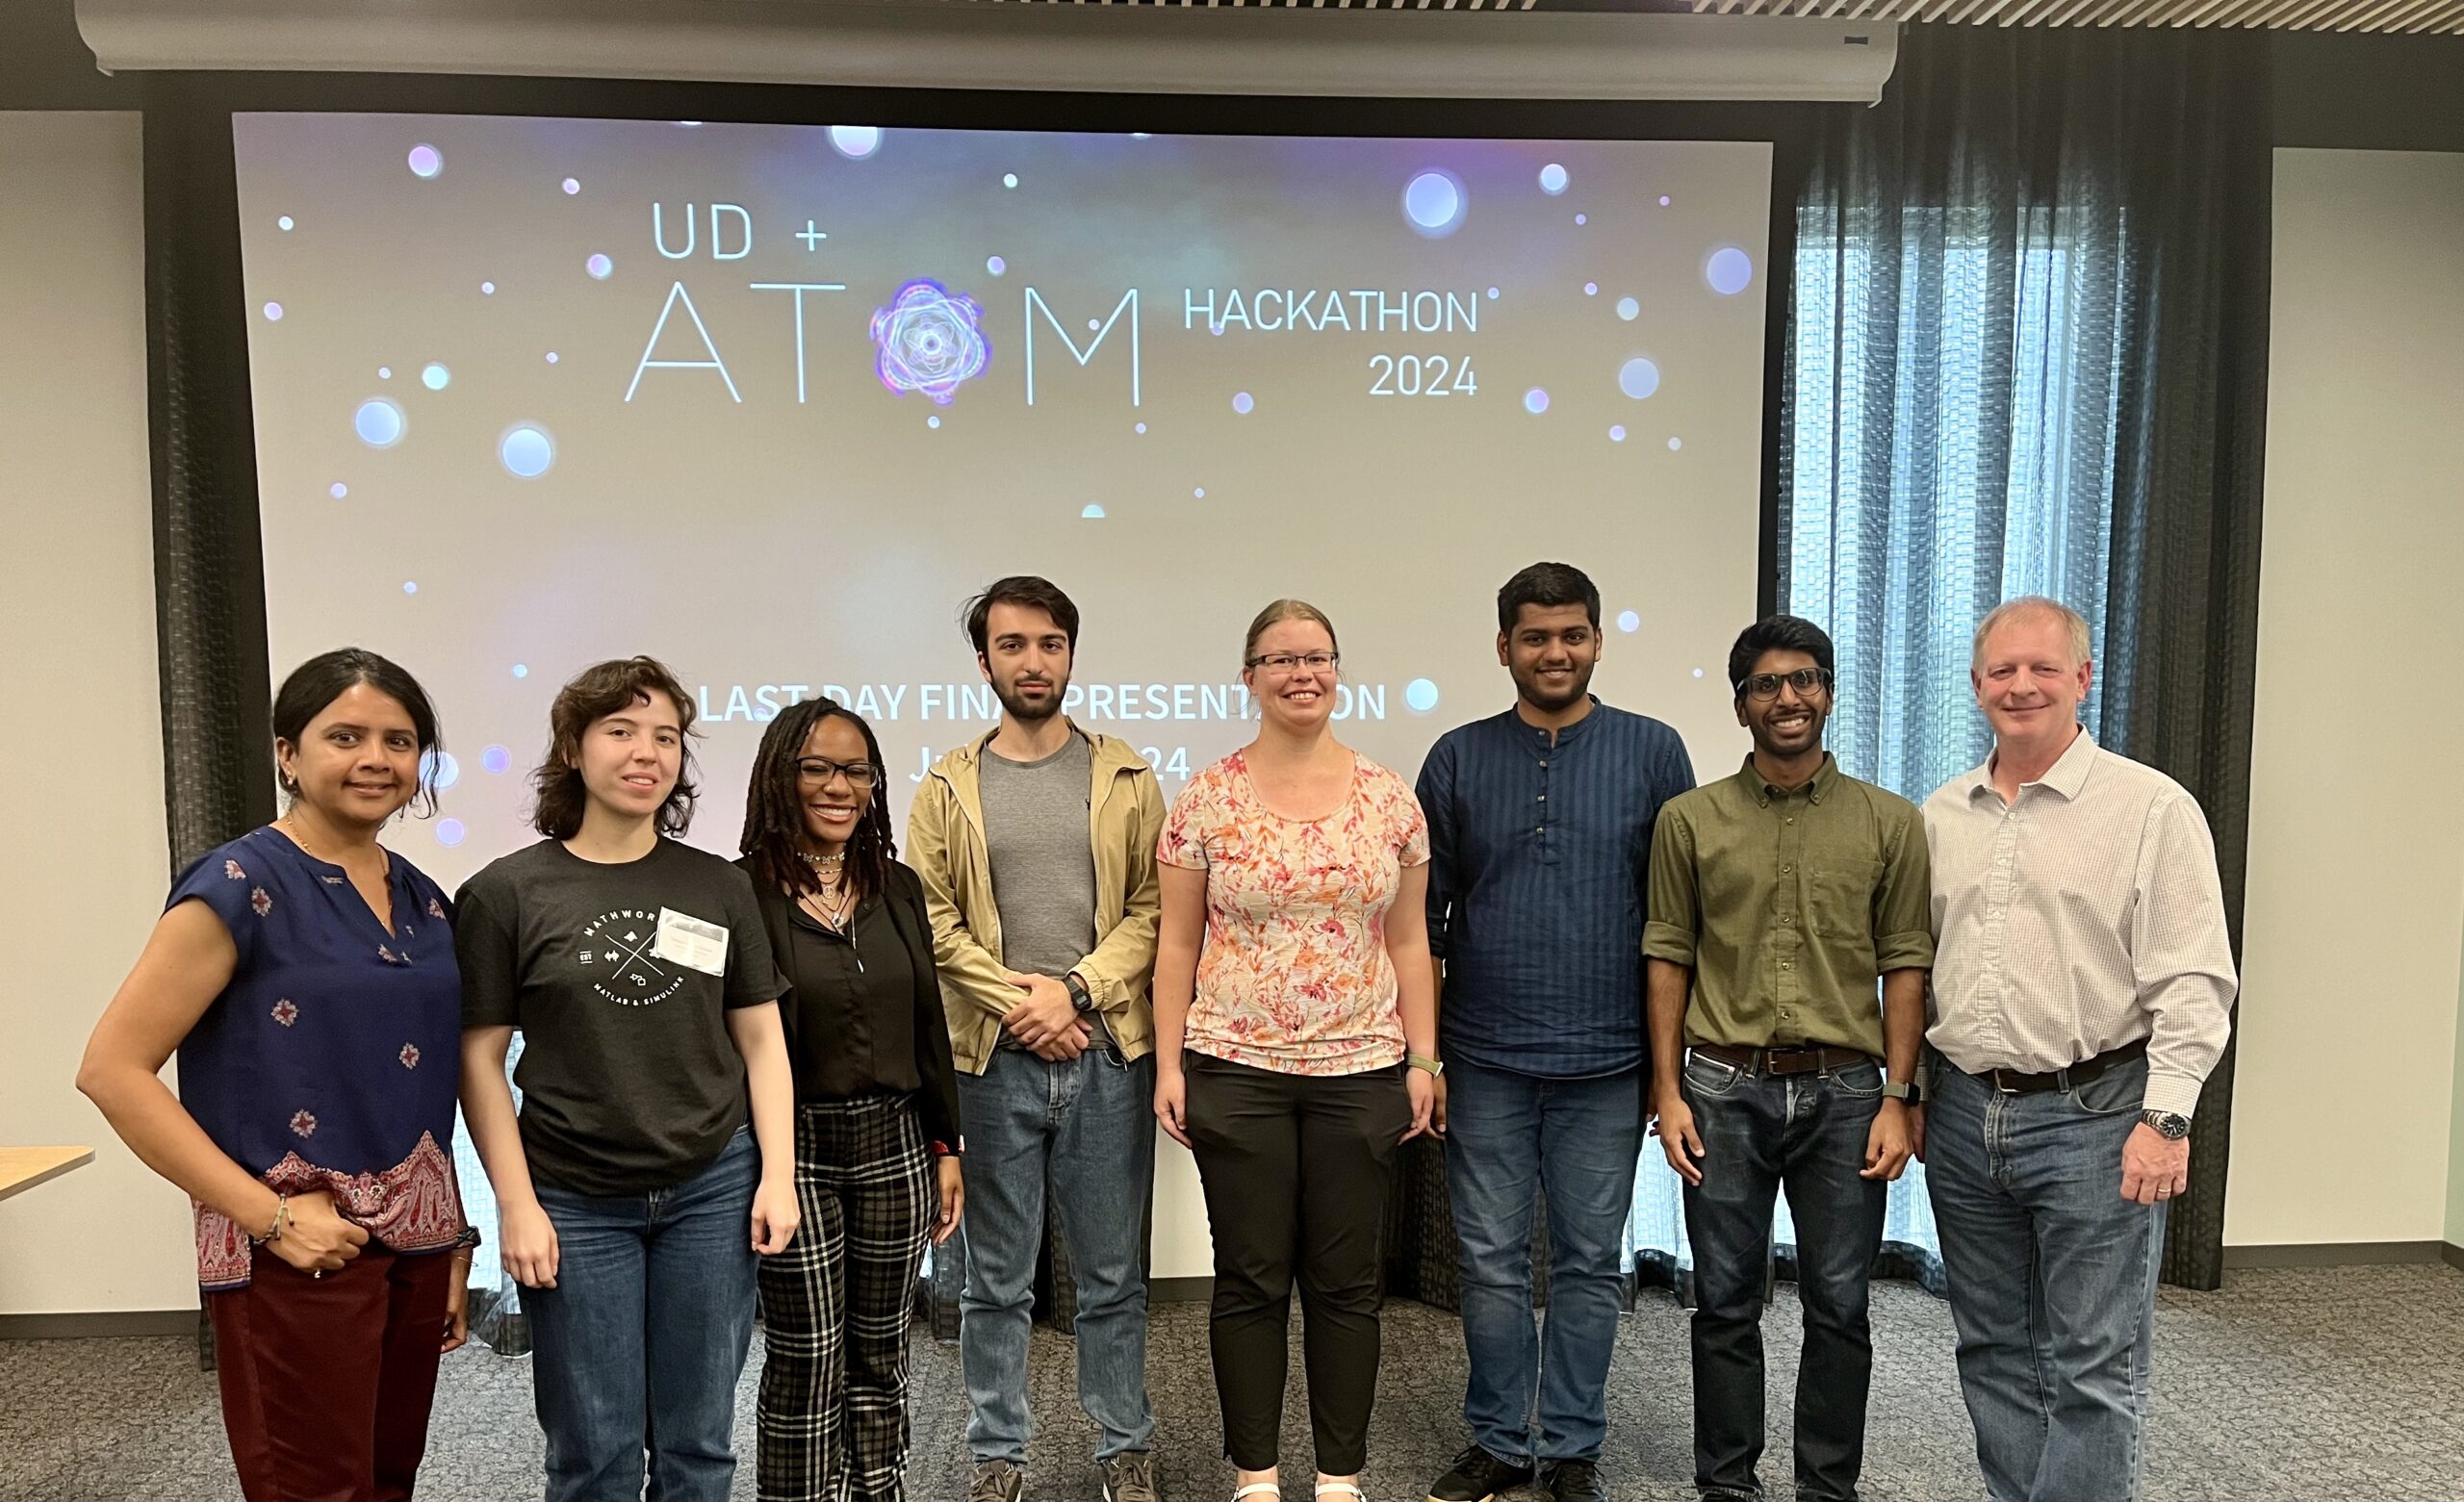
[2012,1082]
[1801,1059]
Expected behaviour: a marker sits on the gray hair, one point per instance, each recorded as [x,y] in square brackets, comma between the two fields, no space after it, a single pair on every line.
[2076,625]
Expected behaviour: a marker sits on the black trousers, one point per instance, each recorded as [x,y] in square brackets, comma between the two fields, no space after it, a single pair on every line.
[1297,1169]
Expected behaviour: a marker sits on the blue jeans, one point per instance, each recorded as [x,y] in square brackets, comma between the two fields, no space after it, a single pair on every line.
[641,1342]
[1540,1390]
[1762,1132]
[1089,1124]
[2052,1280]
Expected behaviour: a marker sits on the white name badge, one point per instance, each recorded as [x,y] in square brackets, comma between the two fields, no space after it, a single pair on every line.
[688,941]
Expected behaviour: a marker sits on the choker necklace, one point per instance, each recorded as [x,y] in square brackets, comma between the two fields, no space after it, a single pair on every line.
[812,859]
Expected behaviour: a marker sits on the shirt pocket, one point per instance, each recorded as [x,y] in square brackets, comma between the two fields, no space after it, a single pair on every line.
[1839,899]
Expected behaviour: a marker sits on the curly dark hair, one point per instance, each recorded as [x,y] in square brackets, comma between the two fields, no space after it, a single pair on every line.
[774,809]
[592,695]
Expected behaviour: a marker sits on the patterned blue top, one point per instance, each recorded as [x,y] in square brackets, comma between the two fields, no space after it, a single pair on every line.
[332,1059]
[1538,858]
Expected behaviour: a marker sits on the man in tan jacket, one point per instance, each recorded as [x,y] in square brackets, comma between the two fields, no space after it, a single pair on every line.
[1037,847]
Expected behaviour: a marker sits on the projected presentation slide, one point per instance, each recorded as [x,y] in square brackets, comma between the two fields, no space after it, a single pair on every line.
[769,402]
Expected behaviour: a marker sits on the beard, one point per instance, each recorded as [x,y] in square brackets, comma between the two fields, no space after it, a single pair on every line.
[1550,700]
[1027,711]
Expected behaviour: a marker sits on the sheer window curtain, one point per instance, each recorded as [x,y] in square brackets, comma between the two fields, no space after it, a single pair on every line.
[2020,360]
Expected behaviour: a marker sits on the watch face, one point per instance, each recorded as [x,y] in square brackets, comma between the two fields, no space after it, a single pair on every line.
[2172,1128]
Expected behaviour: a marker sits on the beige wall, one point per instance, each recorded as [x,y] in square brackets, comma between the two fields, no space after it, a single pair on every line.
[2355,909]
[82,810]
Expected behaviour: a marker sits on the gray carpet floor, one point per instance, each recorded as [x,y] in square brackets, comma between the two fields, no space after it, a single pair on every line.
[2285,1384]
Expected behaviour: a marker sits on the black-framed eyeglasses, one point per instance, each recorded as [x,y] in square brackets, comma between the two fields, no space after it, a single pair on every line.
[1805,680]
[1284,662]
[861,776]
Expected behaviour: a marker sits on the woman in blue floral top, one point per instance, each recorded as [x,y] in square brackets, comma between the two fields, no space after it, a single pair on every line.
[306,978]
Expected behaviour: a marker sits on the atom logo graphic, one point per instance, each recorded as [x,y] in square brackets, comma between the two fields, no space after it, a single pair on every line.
[929,341]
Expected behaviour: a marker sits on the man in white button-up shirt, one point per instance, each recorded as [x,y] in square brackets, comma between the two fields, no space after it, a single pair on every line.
[2081,990]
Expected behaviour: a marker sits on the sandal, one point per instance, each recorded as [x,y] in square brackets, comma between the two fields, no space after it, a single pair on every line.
[1329,1488]
[1259,1488]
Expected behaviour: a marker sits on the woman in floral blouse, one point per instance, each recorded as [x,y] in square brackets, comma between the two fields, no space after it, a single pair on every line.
[305,976]
[1295,1017]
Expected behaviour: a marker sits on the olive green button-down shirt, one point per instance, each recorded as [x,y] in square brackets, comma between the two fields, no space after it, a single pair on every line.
[1788,906]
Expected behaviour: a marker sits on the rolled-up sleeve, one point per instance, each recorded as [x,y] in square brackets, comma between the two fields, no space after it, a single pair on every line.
[1903,907]
[1671,896]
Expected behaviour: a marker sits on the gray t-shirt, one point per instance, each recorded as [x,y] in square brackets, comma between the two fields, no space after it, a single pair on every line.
[1043,860]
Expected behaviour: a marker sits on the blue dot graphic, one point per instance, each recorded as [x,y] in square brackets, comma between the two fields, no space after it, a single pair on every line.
[855,143]
[273,313]
[552,357]
[1536,401]
[521,670]
[1420,696]
[1628,622]
[1730,271]
[1582,218]
[1638,377]
[339,490]
[996,265]
[439,770]
[1552,179]
[1142,427]
[379,422]
[1493,294]
[384,372]
[1617,433]
[1009,179]
[450,832]
[494,760]
[1676,443]
[1433,202]
[488,289]
[933,421]
[436,377]
[572,186]
[1199,492]
[284,223]
[410,586]
[1243,402]
[1092,513]
[426,161]
[1629,309]
[598,266]
[1591,289]
[526,451]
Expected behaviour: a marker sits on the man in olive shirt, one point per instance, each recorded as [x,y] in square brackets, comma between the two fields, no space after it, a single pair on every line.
[1777,897]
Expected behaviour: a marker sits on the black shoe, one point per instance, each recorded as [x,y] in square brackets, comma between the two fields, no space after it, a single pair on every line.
[1478,1476]
[1575,1481]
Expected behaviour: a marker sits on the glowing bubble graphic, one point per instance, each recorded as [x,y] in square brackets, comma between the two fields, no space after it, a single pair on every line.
[855,143]
[1092,513]
[573,185]
[526,450]
[273,313]
[1676,443]
[488,288]
[1420,696]
[1638,377]
[1243,402]
[284,223]
[1142,427]
[384,372]
[426,161]
[494,760]
[1582,218]
[440,770]
[598,266]
[1591,289]
[1199,492]
[1663,200]
[410,586]
[1493,294]
[337,490]
[1552,179]
[521,670]
[1698,672]
[1617,433]
[1009,179]
[929,339]
[1433,202]
[1730,271]
[1536,401]
[1215,330]
[552,357]
[450,832]
[1628,622]
[933,421]
[996,265]
[435,377]
[379,422]
[1092,325]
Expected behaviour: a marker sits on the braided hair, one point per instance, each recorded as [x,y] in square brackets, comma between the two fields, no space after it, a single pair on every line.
[774,808]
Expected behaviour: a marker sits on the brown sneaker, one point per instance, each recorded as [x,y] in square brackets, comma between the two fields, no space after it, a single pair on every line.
[1130,1477]
[997,1481]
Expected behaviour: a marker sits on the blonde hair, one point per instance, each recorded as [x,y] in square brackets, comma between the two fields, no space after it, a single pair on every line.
[1280,611]
[2073,623]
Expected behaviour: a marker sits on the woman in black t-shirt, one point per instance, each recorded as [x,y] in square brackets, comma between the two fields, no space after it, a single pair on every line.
[653,1158]
[877,1108]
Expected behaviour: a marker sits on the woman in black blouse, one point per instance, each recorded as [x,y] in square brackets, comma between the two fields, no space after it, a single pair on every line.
[877,1108]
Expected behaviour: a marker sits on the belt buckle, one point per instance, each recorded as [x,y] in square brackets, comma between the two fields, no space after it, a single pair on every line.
[2001,1089]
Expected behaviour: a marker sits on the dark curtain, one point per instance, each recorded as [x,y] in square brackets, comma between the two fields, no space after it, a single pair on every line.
[2027,354]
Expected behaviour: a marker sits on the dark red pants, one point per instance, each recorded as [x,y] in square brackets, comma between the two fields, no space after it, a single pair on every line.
[326,1381]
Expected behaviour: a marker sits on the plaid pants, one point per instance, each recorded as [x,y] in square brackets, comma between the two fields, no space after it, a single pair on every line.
[835,1305]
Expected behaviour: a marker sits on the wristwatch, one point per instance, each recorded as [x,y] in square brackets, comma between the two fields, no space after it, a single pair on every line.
[2168,1125]
[1908,1090]
[1079,996]
[1432,1067]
